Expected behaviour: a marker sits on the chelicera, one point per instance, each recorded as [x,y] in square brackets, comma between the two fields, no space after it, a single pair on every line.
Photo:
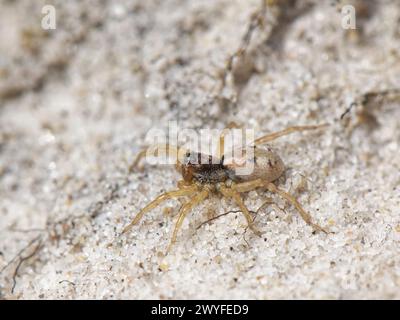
[202,178]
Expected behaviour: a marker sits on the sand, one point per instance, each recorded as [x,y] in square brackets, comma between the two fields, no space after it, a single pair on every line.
[76,105]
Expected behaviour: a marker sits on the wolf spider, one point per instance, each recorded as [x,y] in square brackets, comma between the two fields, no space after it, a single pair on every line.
[200,180]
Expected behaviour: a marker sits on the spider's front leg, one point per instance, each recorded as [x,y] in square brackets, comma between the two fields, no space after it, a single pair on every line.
[166,149]
[257,183]
[194,201]
[182,191]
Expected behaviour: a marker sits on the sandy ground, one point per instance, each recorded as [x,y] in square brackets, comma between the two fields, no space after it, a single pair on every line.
[77,102]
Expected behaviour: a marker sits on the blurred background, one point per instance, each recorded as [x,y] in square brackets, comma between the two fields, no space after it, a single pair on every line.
[78,94]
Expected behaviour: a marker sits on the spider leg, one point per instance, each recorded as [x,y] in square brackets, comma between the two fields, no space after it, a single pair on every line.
[156,149]
[275,135]
[182,184]
[267,202]
[251,185]
[157,201]
[248,185]
[306,217]
[135,162]
[194,201]
[221,142]
[230,193]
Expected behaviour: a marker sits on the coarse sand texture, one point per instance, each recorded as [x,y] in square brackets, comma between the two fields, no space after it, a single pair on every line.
[77,102]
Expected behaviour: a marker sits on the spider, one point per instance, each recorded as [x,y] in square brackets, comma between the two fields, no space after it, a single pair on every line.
[201,179]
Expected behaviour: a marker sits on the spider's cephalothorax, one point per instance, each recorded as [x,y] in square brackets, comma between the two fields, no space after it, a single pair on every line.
[202,168]
[204,174]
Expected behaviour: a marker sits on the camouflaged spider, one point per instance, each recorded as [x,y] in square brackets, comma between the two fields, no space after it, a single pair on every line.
[200,180]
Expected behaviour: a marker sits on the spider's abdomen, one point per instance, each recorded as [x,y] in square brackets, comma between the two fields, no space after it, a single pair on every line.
[264,164]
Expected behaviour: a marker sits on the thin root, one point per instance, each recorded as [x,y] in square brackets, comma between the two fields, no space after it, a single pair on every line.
[23,259]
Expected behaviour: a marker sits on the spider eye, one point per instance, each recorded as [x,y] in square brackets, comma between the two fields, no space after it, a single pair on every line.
[187,154]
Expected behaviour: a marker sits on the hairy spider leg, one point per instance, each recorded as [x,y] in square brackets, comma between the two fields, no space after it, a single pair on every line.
[284,132]
[221,143]
[182,184]
[194,201]
[157,201]
[164,148]
[266,203]
[287,196]
[230,193]
[251,185]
